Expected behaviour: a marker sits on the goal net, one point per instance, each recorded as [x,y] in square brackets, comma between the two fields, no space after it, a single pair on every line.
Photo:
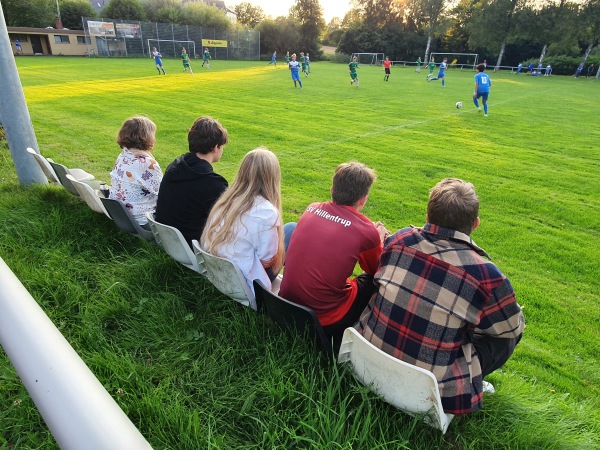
[172,48]
[372,59]
[457,60]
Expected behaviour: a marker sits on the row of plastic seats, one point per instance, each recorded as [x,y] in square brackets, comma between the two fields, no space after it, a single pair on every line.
[407,387]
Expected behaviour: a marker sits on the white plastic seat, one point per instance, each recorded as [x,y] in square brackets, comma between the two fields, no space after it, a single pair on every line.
[89,196]
[78,174]
[225,276]
[124,220]
[45,166]
[173,242]
[407,387]
[62,171]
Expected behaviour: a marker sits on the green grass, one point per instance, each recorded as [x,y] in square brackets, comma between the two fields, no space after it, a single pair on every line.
[193,369]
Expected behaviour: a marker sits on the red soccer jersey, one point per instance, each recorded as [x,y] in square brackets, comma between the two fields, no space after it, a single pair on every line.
[328,242]
[387,64]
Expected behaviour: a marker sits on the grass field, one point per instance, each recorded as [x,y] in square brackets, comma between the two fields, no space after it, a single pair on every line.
[195,370]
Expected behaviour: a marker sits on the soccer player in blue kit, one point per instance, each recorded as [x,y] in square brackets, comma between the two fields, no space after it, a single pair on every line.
[294,66]
[158,61]
[441,73]
[482,89]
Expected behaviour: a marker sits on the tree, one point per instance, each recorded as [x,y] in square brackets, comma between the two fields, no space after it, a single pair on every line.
[457,36]
[334,32]
[248,14]
[591,26]
[377,13]
[170,14]
[554,24]
[151,7]
[124,9]
[199,13]
[71,12]
[352,17]
[431,12]
[494,25]
[360,38]
[281,34]
[29,13]
[309,14]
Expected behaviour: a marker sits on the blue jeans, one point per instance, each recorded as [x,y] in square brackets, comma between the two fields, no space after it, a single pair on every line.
[288,230]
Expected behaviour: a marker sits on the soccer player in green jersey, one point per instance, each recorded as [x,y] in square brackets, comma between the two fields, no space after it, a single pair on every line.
[207,58]
[185,59]
[287,57]
[418,70]
[431,66]
[303,63]
[352,66]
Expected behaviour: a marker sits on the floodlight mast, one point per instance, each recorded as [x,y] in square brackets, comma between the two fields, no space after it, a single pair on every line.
[17,125]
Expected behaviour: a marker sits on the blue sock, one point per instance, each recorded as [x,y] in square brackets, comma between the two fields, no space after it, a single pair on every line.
[443,82]
[300,83]
[485,108]
[476,103]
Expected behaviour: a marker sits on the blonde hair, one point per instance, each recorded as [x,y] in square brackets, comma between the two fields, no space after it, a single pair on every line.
[259,175]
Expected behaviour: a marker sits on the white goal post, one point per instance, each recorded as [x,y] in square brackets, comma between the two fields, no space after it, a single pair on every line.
[172,48]
[458,60]
[372,59]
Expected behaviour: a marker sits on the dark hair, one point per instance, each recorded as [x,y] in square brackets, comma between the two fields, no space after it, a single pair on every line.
[137,132]
[453,204]
[351,182]
[205,133]
[481,67]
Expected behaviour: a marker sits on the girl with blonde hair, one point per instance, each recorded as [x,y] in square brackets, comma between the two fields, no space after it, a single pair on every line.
[245,224]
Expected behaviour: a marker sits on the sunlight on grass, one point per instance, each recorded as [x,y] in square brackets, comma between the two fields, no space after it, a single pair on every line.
[194,369]
[165,84]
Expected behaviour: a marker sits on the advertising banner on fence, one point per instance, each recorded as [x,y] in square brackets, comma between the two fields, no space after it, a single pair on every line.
[128,30]
[106,29]
[213,43]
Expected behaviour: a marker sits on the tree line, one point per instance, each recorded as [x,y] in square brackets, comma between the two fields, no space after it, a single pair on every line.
[505,32]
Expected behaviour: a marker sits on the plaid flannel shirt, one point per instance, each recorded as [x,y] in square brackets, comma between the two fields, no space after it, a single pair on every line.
[435,291]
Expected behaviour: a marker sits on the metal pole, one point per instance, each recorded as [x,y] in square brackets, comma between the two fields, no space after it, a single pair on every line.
[15,115]
[74,404]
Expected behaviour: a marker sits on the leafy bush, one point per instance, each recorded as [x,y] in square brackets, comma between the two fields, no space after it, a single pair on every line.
[339,57]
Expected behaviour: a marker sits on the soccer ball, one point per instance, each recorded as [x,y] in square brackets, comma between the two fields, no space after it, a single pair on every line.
[458,105]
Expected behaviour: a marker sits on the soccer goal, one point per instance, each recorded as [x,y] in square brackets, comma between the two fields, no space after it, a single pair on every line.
[373,59]
[172,48]
[458,60]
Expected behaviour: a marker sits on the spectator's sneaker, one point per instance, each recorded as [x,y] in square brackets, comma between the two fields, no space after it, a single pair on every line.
[488,388]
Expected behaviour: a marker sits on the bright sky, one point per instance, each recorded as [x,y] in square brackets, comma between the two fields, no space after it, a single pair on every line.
[275,8]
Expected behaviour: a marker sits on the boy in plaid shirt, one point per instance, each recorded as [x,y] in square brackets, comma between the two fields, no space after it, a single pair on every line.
[441,305]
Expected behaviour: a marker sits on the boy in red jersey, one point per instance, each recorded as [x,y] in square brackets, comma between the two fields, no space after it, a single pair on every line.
[330,238]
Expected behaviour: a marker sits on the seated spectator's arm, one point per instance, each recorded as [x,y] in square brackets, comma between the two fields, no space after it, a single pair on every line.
[369,260]
[501,315]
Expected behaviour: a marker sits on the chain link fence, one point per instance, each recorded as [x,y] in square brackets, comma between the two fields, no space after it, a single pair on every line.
[114,38]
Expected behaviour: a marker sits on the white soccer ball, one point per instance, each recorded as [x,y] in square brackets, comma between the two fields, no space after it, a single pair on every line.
[458,105]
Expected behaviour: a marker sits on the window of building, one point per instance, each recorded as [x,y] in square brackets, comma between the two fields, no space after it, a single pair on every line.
[61,39]
[83,40]
[21,37]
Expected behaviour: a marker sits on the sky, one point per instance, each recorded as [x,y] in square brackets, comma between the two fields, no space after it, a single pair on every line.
[275,8]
